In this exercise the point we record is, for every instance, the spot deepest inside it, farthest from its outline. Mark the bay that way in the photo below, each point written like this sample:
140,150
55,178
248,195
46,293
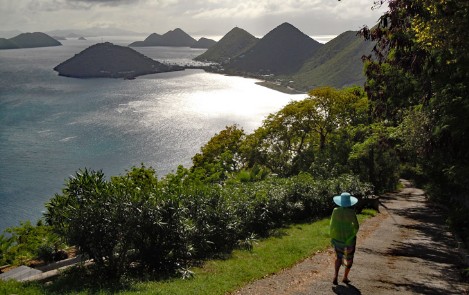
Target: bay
52,126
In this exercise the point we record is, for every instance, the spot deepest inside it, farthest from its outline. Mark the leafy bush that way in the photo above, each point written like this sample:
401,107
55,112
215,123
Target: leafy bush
24,242
136,220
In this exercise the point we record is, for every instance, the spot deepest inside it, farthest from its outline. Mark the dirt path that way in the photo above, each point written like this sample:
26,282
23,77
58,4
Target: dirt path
404,250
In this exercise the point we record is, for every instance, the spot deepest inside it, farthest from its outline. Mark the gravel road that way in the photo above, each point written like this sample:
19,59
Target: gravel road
406,249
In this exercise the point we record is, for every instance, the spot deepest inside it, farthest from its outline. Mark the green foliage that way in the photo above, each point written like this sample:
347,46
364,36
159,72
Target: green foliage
26,241
15,287
219,156
325,134
302,135
136,221
217,276
338,63
256,173
120,221
375,158
458,220
421,60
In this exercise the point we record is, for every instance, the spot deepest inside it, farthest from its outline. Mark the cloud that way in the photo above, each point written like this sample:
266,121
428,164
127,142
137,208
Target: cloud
214,16
104,2
57,5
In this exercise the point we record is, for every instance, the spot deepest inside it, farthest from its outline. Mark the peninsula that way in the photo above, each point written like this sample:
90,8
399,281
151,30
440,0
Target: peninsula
106,60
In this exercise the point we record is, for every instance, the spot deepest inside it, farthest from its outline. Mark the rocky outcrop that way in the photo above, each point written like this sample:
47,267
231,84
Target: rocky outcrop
106,60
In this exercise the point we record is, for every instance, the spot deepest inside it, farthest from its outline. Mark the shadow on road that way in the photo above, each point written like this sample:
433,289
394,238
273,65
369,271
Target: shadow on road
431,242
346,290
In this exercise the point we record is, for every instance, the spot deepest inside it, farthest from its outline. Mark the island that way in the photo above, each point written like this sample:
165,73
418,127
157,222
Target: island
174,38
106,60
29,40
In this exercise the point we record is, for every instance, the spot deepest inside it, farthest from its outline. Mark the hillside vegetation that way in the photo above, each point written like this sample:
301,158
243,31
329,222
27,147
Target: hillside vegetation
337,63
290,59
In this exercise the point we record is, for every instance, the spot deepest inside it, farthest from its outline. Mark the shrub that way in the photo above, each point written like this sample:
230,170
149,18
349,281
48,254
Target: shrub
134,220
21,243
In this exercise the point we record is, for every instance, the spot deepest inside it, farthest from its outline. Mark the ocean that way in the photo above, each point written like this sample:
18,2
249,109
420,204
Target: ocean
52,126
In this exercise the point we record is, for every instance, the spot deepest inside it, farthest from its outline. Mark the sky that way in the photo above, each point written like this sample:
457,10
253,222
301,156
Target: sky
196,17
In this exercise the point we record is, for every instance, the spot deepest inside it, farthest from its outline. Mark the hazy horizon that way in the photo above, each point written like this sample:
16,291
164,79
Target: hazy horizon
197,18
138,36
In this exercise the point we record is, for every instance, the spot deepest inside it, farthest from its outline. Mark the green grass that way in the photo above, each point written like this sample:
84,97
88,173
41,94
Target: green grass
290,246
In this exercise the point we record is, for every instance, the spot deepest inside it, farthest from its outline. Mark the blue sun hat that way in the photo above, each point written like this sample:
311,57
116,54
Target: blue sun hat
345,200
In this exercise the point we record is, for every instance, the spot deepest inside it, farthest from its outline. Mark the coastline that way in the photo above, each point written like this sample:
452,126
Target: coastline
279,87
274,85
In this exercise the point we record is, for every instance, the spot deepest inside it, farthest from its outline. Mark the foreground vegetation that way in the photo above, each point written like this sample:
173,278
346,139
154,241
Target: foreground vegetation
418,79
218,276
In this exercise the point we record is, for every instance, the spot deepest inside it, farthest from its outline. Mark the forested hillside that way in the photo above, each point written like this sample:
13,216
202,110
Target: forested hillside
337,63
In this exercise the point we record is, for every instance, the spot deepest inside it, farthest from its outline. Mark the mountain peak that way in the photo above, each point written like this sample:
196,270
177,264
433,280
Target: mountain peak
235,42
281,51
286,25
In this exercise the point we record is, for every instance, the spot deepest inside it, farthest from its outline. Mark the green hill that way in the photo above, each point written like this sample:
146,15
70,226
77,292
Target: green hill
338,63
282,51
29,40
231,45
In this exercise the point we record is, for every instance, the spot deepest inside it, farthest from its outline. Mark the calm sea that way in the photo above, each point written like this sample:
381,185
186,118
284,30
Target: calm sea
51,126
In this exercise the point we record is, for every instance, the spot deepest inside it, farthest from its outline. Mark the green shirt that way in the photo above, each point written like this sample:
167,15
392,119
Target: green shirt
344,225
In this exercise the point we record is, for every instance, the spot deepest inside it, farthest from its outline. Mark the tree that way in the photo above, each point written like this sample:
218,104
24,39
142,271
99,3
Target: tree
220,155
421,58
292,139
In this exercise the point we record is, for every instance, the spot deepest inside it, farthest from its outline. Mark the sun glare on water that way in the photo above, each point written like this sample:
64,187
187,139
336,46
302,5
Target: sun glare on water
243,98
